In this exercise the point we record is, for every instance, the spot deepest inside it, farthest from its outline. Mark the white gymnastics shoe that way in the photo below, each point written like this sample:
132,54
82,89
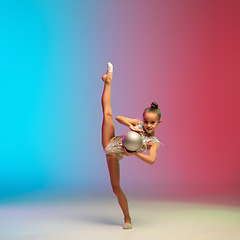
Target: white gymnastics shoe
107,77
109,67
127,225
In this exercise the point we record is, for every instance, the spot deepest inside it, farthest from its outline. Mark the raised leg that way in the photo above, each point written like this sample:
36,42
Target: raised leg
108,130
114,172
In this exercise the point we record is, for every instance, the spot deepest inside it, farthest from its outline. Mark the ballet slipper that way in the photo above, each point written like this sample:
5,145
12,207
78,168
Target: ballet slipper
127,225
109,67
108,75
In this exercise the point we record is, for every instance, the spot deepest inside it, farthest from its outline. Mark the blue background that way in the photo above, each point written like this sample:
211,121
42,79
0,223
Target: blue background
50,97
182,54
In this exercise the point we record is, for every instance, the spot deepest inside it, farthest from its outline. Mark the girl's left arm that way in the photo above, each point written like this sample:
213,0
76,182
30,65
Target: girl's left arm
150,159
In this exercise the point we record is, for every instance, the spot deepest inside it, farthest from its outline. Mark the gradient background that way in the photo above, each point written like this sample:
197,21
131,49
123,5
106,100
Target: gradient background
182,54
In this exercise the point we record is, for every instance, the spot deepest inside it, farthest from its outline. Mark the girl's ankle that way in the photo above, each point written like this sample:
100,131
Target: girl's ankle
106,78
129,220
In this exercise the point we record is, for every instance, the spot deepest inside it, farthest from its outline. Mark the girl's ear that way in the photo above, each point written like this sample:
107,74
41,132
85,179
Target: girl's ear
159,121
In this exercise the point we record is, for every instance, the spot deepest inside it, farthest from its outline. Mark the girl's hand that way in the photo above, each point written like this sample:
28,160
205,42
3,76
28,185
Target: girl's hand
127,153
135,129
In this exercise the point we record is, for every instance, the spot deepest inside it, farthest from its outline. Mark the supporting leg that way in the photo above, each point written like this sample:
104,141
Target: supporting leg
114,172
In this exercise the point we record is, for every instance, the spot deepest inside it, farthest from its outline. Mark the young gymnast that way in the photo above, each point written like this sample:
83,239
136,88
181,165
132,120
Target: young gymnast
113,144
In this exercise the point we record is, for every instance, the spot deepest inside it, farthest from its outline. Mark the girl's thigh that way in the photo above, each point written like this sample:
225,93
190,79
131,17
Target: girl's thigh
108,130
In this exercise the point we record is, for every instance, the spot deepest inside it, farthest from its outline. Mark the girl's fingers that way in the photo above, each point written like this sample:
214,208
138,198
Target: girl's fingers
140,131
126,152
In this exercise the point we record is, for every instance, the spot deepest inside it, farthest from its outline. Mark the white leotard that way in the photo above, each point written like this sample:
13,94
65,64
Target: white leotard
115,146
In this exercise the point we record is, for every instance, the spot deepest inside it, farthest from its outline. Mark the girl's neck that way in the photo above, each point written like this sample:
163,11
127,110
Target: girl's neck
151,134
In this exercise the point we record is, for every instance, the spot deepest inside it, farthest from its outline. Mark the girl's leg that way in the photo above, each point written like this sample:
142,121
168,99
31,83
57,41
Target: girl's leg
114,172
108,130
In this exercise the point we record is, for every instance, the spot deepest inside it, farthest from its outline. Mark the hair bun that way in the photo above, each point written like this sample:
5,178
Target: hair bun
154,105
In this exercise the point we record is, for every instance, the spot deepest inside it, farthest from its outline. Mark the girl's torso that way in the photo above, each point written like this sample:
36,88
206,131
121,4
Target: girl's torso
115,145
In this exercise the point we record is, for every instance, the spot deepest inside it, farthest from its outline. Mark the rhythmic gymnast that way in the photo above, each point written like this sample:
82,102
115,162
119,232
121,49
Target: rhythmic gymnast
112,144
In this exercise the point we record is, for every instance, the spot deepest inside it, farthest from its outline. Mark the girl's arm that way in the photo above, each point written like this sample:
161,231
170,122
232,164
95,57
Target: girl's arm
127,121
150,159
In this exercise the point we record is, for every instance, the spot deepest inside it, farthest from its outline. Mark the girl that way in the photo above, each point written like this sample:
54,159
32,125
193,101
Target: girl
113,145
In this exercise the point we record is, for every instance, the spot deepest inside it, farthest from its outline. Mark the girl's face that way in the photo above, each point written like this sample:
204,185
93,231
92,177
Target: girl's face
150,122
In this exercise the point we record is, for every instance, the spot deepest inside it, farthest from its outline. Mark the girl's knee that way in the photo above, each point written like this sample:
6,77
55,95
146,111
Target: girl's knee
117,190
108,113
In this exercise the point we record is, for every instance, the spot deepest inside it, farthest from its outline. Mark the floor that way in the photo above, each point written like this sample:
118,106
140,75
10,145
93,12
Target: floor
98,217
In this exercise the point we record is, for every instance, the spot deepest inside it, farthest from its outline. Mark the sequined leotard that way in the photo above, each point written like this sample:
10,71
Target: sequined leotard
115,146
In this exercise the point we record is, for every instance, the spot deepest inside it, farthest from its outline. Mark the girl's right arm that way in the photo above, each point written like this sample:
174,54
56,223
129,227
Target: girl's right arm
128,122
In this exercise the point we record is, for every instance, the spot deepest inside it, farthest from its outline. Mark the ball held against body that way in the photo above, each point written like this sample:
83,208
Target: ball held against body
132,141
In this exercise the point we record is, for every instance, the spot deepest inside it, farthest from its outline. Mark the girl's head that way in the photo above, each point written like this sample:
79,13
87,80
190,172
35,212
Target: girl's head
151,118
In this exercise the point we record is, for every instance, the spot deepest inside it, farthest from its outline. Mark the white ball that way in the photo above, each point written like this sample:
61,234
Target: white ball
132,141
